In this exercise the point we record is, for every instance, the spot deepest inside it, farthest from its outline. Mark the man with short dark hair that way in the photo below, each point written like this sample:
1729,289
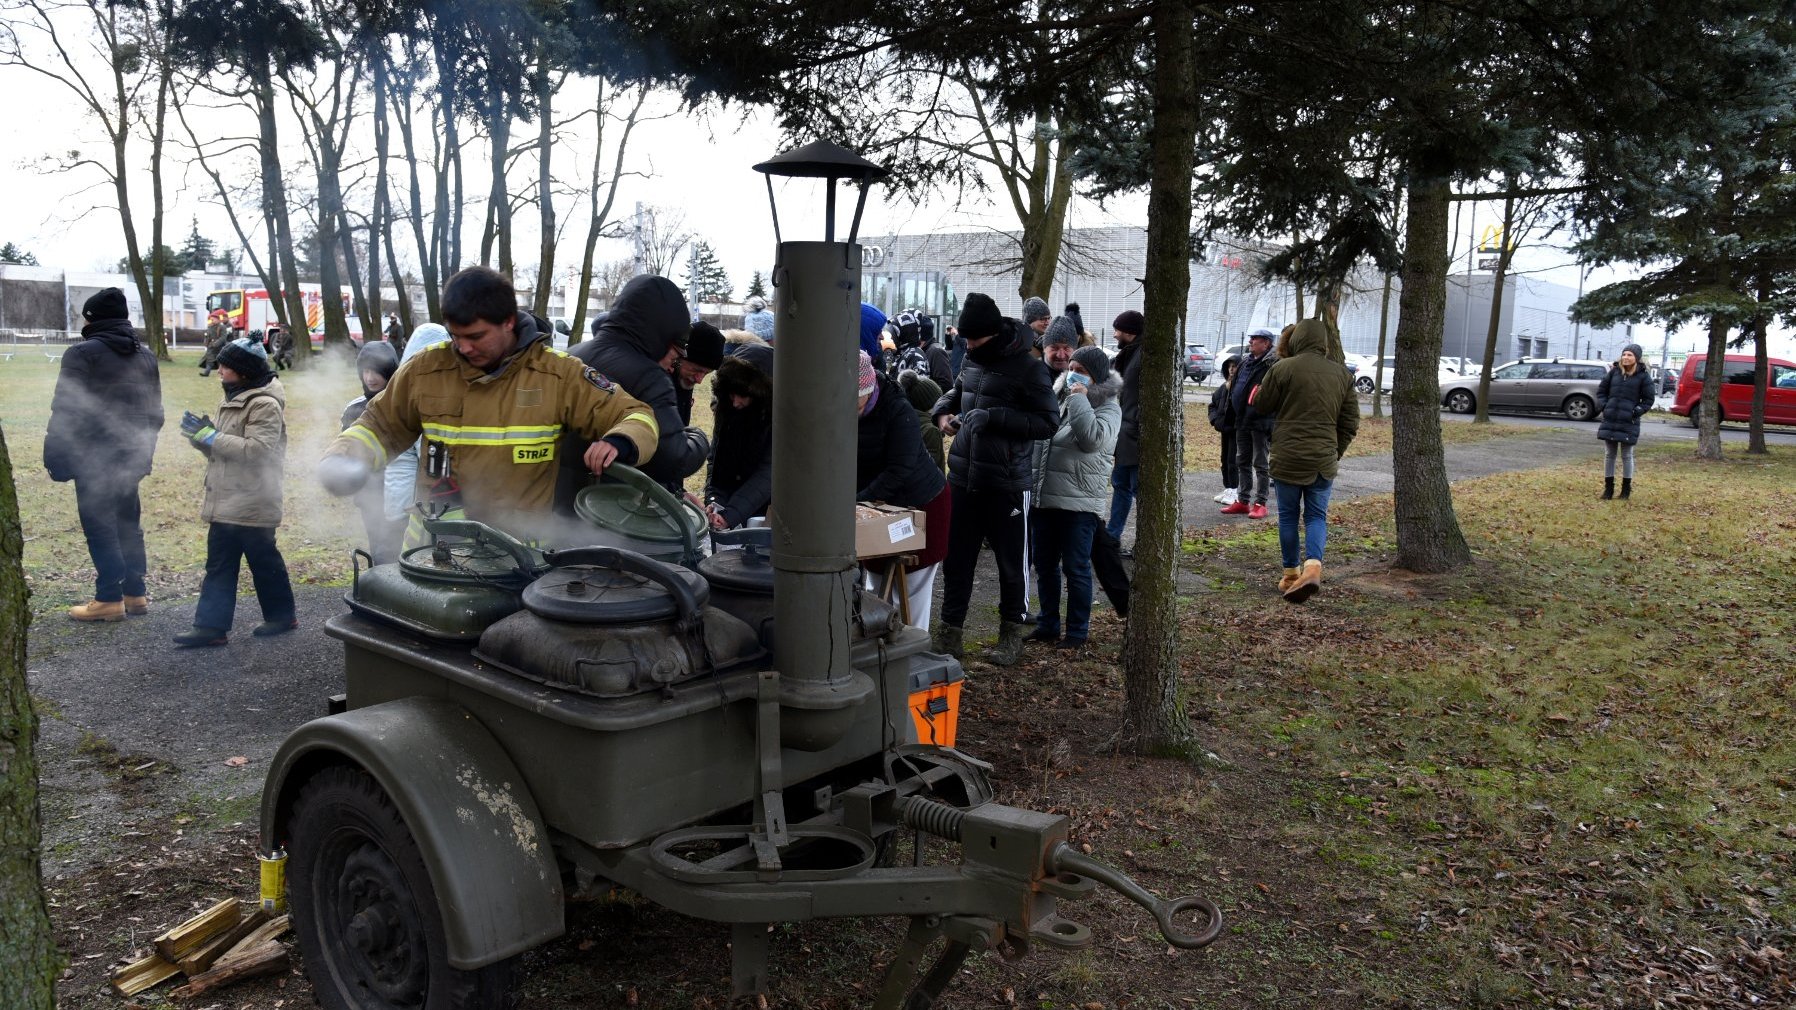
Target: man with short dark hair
704,353
492,403
104,418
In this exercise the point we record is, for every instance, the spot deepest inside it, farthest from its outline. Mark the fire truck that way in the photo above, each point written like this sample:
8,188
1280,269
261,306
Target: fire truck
252,309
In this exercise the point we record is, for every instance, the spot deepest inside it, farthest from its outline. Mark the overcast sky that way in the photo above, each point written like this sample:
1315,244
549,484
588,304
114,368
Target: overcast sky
701,165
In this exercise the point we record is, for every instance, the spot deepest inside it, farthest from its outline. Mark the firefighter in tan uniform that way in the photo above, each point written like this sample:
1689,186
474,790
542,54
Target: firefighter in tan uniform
491,403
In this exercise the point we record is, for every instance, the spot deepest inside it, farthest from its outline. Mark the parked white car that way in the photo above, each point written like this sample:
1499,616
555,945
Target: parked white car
1363,381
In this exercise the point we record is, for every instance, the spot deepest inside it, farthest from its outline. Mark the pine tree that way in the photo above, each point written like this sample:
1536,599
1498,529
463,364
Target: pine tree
10,253
197,251
757,286
706,279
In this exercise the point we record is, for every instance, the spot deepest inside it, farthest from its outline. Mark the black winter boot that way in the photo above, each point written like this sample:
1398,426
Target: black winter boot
1627,487
1608,488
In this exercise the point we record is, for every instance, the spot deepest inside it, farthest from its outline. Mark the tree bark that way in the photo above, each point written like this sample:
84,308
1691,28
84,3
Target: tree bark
1050,190
1761,369
154,326
1384,328
544,84
1428,535
1504,252
274,199
26,945
1153,718
1708,414
380,215
601,212
427,245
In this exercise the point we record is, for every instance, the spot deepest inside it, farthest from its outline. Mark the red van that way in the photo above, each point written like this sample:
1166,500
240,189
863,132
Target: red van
1736,390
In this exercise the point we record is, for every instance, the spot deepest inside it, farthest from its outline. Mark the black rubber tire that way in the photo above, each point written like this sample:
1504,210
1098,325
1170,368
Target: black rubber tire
1363,385
1460,401
353,869
1580,408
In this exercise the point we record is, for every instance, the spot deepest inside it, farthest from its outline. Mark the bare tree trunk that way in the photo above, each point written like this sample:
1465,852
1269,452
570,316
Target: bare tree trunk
357,294
154,325
1153,718
380,215
544,83
401,295
427,246
263,269
27,947
1504,252
1428,535
601,212
1761,370
1384,327
499,201
1708,414
274,199
1044,228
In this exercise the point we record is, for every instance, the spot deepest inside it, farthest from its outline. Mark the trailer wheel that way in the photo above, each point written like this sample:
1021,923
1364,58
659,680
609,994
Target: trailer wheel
364,911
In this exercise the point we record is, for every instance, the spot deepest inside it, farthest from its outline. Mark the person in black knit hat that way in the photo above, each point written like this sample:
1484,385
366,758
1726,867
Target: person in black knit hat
104,418
1001,403
244,449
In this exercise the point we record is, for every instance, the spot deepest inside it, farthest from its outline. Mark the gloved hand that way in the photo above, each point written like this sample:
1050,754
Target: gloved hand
973,420
198,429
342,475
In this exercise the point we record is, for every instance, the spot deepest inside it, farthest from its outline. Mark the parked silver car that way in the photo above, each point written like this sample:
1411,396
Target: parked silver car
1535,385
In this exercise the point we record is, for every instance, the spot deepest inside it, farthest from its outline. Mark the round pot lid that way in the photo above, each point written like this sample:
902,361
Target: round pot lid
465,561
636,515
587,594
748,571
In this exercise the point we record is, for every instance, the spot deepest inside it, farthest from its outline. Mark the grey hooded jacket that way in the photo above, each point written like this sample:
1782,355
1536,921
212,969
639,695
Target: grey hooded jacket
1072,469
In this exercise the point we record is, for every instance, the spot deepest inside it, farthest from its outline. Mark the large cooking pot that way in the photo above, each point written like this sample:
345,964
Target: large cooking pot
467,577
741,584
613,623
636,514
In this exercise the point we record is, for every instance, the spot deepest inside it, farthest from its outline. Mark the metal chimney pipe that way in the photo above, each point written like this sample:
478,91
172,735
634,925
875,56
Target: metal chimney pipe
816,339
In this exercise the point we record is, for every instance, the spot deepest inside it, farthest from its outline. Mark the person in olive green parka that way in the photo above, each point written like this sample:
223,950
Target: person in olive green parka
1318,414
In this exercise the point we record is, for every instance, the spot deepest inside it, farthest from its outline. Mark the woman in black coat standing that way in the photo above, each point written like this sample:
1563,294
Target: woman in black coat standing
1624,395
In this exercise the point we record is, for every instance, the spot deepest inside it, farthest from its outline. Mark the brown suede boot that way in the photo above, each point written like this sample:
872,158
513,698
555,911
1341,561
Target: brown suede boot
98,611
137,606
1307,583
1288,579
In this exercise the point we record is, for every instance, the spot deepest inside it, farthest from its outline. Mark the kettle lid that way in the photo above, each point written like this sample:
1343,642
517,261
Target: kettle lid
590,594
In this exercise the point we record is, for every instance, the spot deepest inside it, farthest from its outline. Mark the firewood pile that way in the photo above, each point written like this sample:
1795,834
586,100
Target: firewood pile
227,943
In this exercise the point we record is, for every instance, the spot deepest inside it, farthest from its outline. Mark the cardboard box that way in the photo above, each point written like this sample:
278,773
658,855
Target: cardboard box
884,530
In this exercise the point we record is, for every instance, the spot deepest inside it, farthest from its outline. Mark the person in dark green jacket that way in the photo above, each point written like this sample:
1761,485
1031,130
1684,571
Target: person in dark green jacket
1318,415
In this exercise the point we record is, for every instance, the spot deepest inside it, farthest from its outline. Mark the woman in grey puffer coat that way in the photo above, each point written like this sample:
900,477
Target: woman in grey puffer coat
1624,395
1072,492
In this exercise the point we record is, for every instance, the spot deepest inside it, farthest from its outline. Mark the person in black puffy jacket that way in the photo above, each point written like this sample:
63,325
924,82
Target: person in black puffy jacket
739,479
1222,418
1001,403
104,418
639,346
1623,396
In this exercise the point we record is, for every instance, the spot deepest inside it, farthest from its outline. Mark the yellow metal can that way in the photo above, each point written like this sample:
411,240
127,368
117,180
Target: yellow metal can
274,880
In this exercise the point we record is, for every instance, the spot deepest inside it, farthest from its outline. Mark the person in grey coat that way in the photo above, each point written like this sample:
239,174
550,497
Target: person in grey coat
1622,397
1072,493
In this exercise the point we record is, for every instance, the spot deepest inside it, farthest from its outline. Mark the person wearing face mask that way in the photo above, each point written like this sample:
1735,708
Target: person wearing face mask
244,449
1072,493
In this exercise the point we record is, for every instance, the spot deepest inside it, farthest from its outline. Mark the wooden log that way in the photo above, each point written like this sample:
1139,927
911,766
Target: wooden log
141,974
268,959
191,935
215,948
270,930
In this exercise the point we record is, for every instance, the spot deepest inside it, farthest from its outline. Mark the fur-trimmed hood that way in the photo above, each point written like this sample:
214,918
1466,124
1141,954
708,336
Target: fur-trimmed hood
738,376
1099,392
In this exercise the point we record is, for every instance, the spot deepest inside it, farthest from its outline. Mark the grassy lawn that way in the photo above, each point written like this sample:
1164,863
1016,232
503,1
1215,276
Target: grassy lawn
1203,444
315,537
1567,770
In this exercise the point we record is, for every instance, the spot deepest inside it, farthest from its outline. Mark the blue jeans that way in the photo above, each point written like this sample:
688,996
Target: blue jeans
1125,480
111,520
1063,539
1313,500
228,546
